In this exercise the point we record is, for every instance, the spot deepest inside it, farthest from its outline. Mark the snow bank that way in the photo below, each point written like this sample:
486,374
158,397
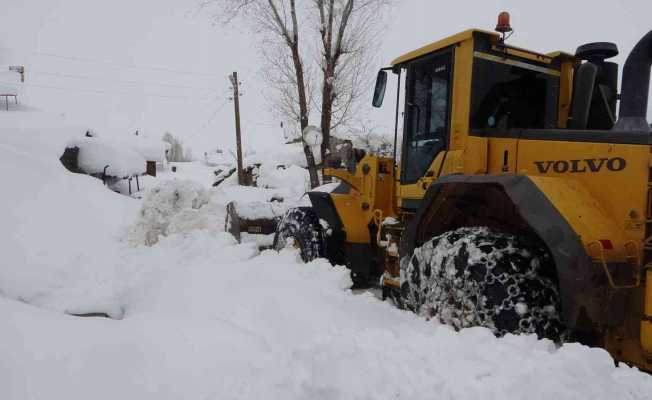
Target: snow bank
55,225
210,321
176,206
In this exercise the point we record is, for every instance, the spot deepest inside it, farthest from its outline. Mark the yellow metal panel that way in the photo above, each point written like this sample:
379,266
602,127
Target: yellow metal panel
354,220
475,155
584,213
454,163
460,105
372,188
418,189
565,93
502,156
621,193
346,176
422,51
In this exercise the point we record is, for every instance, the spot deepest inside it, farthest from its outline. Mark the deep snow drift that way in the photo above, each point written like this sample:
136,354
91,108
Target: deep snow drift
202,317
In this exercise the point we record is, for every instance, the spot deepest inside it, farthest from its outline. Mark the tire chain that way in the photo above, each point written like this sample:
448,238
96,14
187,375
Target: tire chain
302,225
477,277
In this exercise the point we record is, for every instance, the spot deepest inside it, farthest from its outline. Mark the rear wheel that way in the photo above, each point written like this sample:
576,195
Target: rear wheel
479,277
300,228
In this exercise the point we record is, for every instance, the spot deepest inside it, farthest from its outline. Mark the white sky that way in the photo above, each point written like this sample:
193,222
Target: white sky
178,52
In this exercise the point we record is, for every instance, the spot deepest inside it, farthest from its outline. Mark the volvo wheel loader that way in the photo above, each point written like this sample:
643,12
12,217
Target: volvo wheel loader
520,198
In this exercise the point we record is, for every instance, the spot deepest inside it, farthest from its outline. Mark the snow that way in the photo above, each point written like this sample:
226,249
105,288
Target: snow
390,221
195,171
55,225
312,136
150,149
213,322
202,317
172,207
125,156
327,188
292,176
287,154
96,154
261,240
259,210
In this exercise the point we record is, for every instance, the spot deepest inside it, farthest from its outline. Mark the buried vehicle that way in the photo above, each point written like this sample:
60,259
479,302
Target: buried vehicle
522,201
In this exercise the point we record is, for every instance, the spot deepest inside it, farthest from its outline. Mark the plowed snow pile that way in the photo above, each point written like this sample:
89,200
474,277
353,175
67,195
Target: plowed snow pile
206,318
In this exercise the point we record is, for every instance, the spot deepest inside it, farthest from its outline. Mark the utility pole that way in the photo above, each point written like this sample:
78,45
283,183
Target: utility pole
236,102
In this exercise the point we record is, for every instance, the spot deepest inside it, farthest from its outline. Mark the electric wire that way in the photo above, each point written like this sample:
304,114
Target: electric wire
18,85
85,77
124,65
210,119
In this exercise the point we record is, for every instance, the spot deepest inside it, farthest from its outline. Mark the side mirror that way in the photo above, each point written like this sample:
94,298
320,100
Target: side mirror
379,91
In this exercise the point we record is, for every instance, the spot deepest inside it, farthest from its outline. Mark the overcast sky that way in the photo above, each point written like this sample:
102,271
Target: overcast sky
158,65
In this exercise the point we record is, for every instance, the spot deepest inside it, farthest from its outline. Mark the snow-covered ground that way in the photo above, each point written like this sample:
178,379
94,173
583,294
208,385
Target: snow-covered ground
198,316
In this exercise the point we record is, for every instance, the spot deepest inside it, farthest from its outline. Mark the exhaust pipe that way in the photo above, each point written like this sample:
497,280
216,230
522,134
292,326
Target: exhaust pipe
635,88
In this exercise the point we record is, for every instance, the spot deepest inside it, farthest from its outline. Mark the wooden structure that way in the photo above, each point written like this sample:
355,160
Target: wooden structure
151,168
7,96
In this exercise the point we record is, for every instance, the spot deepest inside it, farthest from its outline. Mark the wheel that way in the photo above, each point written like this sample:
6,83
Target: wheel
300,227
479,277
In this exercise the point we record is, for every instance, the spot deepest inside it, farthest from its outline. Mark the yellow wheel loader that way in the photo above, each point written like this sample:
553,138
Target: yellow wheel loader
520,201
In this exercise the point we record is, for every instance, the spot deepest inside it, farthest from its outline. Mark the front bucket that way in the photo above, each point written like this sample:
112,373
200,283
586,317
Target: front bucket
253,222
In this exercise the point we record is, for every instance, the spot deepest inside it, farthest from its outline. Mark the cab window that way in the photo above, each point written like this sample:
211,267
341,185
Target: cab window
508,96
427,109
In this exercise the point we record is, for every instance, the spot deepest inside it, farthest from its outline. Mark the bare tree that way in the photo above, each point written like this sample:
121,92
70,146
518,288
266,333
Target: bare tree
347,29
344,31
278,22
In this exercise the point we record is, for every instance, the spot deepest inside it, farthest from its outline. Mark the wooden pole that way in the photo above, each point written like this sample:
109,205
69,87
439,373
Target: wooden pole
238,140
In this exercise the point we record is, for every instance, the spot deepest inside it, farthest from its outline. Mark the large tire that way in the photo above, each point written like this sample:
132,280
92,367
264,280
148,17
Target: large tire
300,227
479,277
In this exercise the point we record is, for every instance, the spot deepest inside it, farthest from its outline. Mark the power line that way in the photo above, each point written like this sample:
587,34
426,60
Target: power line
124,65
97,91
85,77
210,119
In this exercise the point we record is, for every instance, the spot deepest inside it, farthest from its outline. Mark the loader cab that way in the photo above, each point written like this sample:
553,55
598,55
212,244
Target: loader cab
467,86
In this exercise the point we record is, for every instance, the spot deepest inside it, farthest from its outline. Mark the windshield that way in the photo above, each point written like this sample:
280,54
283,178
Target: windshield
426,114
